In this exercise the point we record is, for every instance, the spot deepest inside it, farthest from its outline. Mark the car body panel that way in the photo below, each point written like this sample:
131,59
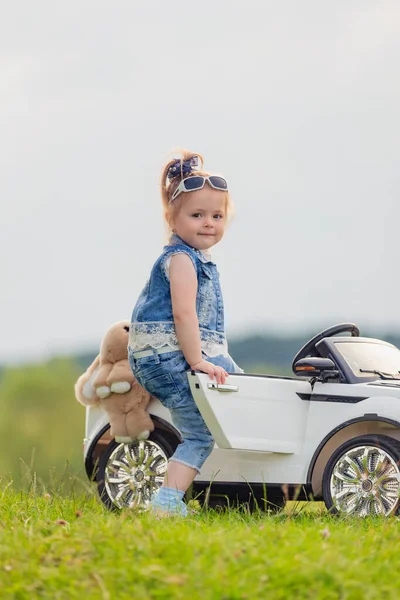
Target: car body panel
316,420
274,430
253,416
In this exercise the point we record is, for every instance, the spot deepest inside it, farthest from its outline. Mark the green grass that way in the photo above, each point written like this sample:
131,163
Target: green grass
65,548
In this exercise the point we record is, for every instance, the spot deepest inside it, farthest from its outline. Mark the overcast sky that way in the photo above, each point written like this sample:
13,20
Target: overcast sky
295,102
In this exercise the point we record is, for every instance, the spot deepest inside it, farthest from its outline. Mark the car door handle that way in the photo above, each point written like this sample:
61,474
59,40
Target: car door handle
222,387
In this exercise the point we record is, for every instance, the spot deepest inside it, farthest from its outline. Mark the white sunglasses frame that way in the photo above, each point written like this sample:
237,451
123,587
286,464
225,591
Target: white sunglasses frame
181,187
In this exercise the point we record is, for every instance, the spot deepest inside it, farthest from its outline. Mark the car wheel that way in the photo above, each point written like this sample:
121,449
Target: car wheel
129,474
362,477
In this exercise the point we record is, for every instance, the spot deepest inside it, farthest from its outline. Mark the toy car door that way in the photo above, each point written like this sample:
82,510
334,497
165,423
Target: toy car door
253,412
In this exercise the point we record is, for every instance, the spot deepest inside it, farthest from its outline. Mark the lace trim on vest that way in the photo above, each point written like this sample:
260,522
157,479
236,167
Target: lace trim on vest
157,334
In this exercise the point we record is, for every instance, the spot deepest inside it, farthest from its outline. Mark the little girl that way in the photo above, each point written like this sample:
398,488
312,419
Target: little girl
178,320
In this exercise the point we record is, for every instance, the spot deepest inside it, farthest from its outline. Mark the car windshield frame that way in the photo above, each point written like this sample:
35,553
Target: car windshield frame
346,352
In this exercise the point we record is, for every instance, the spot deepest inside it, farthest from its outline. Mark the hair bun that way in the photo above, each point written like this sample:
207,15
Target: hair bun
182,167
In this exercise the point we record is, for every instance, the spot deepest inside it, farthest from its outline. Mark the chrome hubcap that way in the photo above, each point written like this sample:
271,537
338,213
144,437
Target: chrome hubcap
134,472
365,481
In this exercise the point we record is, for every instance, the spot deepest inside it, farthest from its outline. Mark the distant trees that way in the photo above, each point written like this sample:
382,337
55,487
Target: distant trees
41,424
258,353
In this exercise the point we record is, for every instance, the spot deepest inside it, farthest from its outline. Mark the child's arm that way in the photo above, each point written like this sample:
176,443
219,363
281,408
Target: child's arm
183,281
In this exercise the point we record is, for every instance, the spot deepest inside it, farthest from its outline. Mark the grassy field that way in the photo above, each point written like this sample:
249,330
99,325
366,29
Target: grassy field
70,547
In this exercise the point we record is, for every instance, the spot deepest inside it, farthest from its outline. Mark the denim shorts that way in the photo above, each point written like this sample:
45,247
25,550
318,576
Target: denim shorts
165,377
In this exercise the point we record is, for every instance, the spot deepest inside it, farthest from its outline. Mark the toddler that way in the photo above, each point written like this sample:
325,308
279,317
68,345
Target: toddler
178,320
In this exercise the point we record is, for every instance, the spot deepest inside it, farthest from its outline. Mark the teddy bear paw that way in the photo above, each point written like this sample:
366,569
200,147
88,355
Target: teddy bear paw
88,391
103,391
143,435
124,439
120,387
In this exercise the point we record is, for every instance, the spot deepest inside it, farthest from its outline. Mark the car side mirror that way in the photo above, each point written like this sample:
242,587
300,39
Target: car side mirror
314,366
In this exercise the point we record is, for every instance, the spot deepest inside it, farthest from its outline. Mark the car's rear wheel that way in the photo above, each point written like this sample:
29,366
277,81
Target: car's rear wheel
362,477
129,474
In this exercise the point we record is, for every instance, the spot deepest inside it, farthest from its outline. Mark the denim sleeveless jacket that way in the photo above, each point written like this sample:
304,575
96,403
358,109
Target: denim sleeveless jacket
152,323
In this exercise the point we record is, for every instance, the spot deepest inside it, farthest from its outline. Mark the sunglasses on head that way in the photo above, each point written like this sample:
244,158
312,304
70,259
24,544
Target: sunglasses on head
197,182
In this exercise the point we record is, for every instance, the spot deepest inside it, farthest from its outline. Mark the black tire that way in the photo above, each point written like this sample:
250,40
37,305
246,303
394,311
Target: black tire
161,443
368,490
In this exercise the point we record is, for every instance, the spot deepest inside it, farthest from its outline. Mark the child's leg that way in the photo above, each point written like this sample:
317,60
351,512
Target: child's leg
187,460
179,476
197,441
169,499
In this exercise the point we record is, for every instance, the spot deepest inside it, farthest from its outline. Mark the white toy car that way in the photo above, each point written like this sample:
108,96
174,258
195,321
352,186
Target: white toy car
335,434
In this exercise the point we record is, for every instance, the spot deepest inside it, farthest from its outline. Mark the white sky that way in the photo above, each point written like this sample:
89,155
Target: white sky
296,103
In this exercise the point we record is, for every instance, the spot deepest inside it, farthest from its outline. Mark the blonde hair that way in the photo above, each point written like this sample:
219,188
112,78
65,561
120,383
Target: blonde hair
168,187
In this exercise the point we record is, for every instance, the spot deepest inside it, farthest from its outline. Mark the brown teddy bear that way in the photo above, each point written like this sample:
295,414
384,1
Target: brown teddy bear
110,382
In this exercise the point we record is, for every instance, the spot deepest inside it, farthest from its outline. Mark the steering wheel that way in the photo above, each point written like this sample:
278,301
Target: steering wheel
309,349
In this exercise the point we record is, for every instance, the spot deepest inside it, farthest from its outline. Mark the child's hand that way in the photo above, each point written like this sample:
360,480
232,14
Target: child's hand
207,367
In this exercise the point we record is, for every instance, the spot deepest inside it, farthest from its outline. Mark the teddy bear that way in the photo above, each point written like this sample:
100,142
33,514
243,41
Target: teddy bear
109,381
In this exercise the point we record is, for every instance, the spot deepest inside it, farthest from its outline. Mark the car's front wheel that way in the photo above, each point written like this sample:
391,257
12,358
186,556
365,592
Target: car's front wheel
129,474
362,477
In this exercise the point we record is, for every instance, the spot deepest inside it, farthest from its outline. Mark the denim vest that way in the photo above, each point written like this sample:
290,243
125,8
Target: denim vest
152,323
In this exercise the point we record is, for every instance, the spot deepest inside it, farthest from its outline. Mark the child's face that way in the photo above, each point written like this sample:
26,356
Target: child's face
201,219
